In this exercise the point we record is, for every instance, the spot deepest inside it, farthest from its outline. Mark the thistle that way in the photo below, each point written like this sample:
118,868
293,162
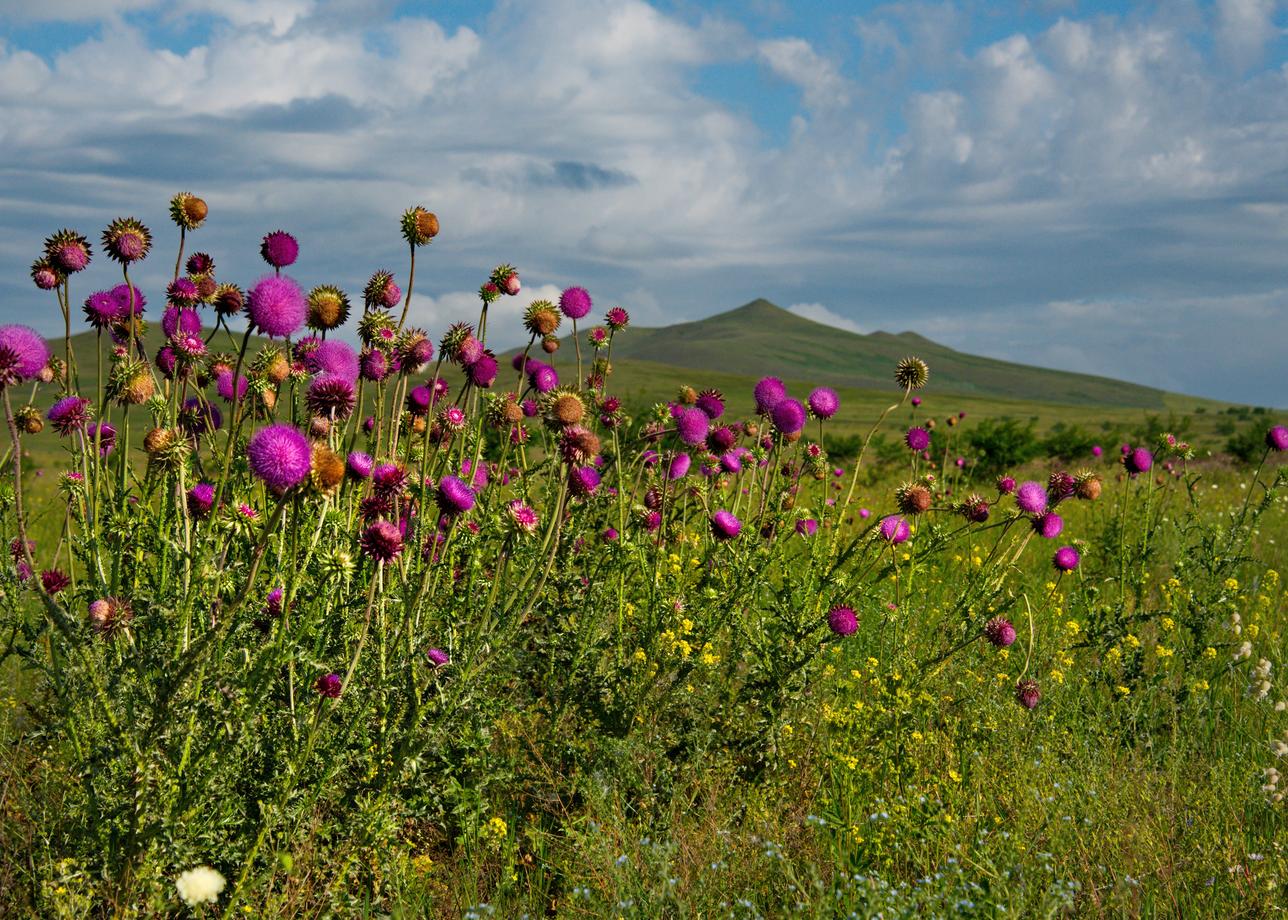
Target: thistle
188,211
328,307
419,226
911,373
126,240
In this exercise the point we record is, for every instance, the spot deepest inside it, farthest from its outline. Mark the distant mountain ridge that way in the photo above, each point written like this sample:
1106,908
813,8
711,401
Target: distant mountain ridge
762,338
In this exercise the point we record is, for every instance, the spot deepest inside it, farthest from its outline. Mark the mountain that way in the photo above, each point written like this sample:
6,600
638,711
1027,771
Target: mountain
762,338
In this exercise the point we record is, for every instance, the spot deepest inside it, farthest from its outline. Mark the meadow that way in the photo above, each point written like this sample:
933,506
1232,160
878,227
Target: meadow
293,629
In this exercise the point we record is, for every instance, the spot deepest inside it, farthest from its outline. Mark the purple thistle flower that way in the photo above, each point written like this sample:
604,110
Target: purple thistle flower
1138,461
106,435
54,581
730,462
359,465
691,425
1097,450
788,416
724,526
722,439
543,378
277,306
23,354
374,365
609,535
224,385
617,319
1000,632
482,373
382,541
1031,497
336,358
842,621
199,417
1048,525
678,468
201,498
1066,559
182,293
388,480
1277,438
575,302
437,657
454,496
711,403
328,685
894,529
768,393
419,400
279,249
121,293
280,456
583,481
69,414
824,402
177,319
917,438
807,528
1027,693
102,309
330,396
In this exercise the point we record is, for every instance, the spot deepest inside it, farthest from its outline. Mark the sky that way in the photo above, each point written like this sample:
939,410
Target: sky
1093,186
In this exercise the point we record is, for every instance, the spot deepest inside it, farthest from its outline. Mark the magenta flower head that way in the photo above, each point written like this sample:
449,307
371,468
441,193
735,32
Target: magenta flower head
894,529
438,658
374,365
454,496
823,402
722,439
23,354
724,526
617,318
1000,632
1027,693
1277,438
280,456
1048,525
807,527
1031,497
575,302
731,462
106,436
328,685
691,425
418,401
482,373
329,396
201,498
69,414
583,481
679,466
1138,461
359,465
543,378
917,438
712,403
788,416
1097,450
842,621
224,385
279,249
1066,559
336,358
382,541
180,319
277,306
769,392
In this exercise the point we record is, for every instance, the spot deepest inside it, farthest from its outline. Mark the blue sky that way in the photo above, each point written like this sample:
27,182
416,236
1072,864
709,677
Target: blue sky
1095,186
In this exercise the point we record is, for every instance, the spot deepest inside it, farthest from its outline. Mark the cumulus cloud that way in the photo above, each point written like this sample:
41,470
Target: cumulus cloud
928,181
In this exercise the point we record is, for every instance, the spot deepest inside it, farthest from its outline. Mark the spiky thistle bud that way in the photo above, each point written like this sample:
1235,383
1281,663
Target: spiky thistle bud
328,307
127,240
228,300
541,318
188,211
419,226
68,251
911,373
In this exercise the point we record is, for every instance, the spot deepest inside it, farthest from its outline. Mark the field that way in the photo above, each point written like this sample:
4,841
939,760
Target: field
523,661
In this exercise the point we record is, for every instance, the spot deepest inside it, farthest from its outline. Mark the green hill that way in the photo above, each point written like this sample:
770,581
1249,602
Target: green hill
761,338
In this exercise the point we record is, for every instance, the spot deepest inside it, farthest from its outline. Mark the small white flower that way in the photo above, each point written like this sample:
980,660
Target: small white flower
200,886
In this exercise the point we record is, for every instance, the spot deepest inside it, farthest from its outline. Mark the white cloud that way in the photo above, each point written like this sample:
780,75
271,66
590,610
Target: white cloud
796,61
821,314
1243,29
1094,160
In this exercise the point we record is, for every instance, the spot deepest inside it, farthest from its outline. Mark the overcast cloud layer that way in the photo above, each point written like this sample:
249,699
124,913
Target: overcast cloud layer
1056,184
